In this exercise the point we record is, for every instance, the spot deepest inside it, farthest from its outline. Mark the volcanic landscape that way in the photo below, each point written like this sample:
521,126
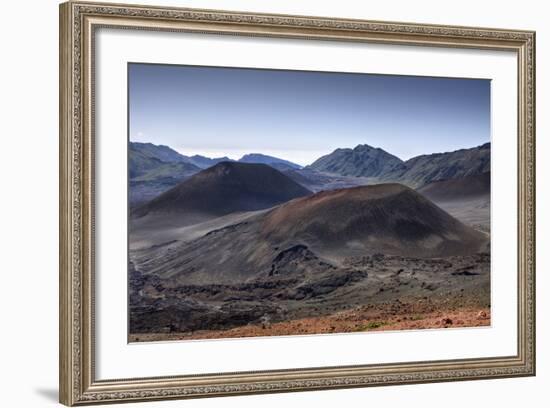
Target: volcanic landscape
357,241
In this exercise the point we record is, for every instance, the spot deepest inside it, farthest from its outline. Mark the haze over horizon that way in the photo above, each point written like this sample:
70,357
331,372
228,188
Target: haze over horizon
300,116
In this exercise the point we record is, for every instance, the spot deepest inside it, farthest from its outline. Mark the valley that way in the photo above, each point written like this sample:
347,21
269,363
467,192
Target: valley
242,249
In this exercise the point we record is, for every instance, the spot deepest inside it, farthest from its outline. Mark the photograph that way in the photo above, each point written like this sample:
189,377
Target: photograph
266,202
270,200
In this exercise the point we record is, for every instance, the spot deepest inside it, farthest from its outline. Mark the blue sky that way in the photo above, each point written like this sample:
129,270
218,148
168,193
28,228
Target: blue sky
300,116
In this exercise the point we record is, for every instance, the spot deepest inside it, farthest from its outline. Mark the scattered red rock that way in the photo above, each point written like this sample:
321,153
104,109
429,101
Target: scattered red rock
482,315
373,318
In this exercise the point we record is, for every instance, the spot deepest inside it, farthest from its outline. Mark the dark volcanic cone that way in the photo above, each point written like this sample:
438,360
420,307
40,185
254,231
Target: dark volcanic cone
388,218
225,188
315,233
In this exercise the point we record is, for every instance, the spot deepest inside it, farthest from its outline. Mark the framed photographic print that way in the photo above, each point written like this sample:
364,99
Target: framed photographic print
256,203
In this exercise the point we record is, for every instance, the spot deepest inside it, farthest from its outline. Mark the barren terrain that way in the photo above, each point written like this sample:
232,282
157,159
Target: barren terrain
369,318
383,288
203,264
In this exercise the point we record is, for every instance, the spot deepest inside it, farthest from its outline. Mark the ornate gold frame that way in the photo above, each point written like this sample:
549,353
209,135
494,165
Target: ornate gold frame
78,21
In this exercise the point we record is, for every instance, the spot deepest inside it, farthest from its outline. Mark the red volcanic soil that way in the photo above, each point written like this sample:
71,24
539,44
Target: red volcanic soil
363,319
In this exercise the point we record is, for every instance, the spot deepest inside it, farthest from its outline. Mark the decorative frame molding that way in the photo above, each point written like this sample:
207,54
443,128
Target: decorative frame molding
78,20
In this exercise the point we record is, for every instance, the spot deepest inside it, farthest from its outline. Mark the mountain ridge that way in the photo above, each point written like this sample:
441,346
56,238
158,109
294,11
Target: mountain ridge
161,152
468,187
154,169
381,166
204,162
424,169
269,160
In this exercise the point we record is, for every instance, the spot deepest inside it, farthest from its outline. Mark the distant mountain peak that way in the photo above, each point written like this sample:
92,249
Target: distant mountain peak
198,156
204,162
253,156
365,147
269,160
222,166
361,161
